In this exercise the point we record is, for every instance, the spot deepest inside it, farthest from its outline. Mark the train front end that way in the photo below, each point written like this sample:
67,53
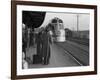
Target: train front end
59,31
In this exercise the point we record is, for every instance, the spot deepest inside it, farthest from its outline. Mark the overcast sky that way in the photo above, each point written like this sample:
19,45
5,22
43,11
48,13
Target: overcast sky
70,20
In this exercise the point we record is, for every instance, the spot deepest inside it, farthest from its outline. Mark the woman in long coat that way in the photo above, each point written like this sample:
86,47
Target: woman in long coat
39,44
46,39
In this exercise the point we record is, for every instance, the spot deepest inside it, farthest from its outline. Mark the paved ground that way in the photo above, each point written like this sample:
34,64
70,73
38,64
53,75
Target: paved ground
58,58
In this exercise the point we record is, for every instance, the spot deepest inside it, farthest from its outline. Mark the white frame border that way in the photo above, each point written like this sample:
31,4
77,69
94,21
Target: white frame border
35,71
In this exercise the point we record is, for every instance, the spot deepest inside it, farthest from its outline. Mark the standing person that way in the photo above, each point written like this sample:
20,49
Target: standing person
46,46
31,38
39,44
24,39
38,57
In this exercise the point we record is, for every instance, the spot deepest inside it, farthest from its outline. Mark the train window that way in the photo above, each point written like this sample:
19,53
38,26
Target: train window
54,21
60,21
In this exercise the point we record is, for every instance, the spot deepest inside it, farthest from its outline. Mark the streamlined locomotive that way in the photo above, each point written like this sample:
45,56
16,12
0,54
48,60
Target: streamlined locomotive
58,30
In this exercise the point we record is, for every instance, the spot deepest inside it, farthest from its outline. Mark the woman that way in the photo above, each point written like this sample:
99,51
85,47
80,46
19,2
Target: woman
46,39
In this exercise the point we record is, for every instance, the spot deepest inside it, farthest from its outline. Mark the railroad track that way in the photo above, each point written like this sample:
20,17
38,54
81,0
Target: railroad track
81,58
73,57
83,42
86,51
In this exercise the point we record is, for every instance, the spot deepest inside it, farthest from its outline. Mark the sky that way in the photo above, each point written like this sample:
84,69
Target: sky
69,20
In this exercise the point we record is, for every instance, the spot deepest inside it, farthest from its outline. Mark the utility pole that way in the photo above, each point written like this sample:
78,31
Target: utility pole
78,35
77,22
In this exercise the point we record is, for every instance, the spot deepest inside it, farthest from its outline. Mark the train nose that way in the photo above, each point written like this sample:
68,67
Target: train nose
61,36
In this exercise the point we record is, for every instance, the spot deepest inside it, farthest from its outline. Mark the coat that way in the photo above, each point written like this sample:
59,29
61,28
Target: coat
46,46
39,44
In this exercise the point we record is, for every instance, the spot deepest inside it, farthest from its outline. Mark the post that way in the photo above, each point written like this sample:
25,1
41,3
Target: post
78,35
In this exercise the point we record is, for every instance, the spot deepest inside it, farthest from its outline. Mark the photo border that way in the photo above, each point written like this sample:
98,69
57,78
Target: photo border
14,39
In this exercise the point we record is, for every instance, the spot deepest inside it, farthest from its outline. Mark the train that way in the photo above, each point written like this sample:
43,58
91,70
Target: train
57,29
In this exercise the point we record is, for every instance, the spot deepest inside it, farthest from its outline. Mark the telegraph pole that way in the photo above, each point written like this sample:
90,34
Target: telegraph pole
77,22
78,35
